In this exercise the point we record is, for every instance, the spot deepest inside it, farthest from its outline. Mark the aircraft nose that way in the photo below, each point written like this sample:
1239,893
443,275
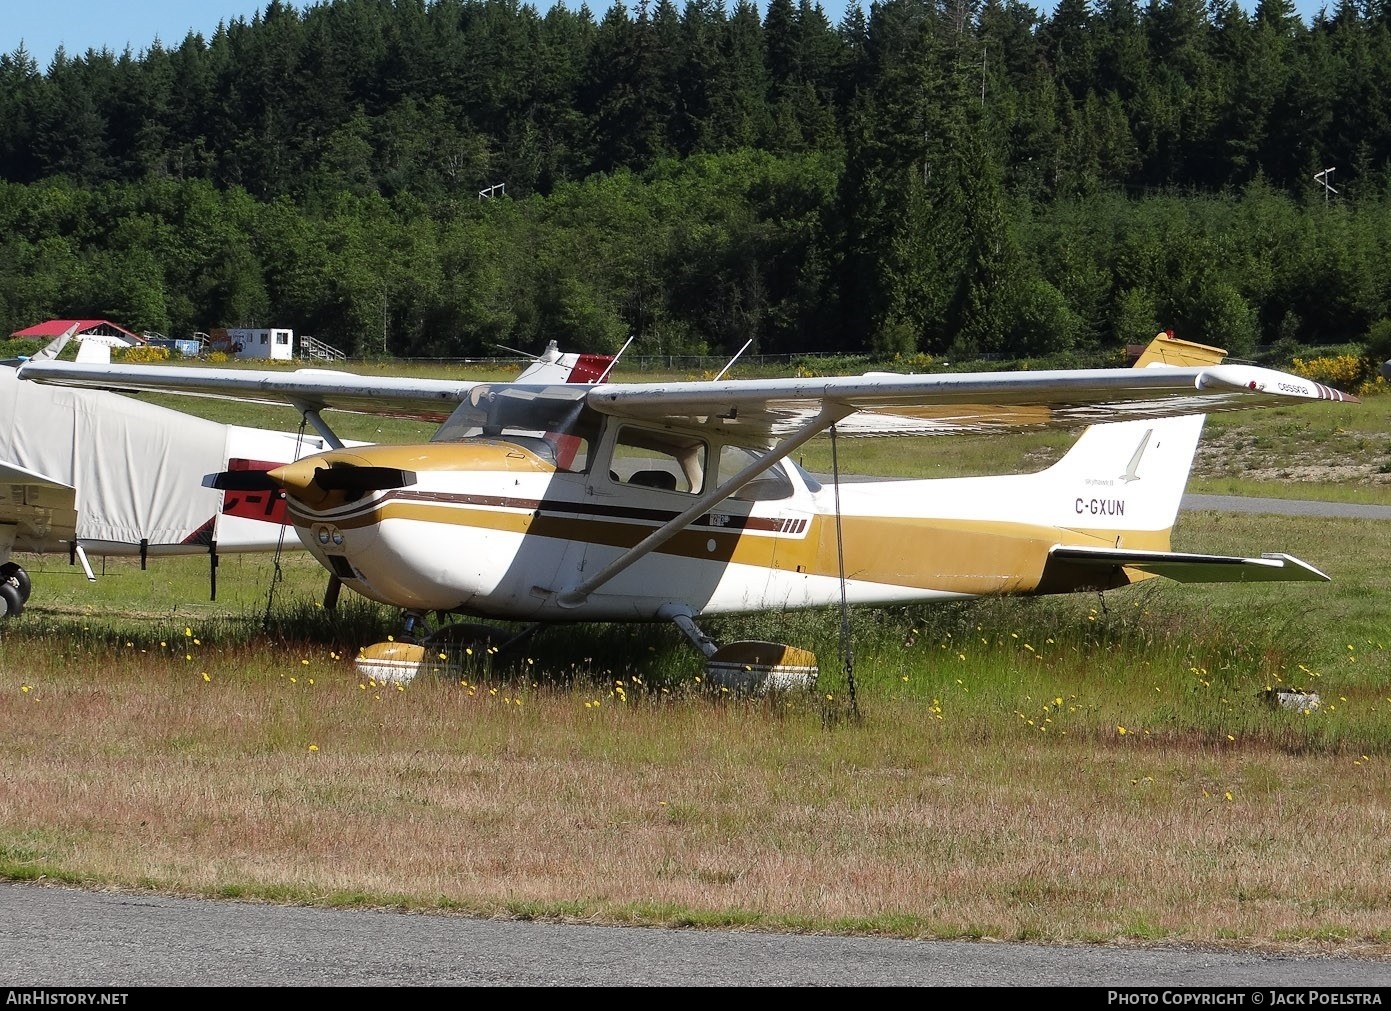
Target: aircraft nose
295,477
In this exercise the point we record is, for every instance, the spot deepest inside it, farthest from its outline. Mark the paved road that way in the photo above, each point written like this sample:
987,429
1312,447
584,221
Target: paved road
1286,507
60,937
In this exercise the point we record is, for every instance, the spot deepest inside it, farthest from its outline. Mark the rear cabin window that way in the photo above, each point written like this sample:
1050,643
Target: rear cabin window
646,458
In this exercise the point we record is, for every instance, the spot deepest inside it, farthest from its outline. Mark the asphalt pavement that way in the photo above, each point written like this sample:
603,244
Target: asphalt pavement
1285,506
61,938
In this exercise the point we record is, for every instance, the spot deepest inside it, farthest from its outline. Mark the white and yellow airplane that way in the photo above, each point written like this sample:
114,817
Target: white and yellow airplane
552,502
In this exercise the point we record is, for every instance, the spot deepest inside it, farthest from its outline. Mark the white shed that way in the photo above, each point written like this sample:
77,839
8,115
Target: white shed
274,343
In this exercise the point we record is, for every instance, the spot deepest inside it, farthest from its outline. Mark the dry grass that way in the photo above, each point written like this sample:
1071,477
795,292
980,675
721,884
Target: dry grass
539,803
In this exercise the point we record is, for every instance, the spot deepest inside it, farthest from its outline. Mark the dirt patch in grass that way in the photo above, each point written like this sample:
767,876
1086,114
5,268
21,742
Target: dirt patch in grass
1230,453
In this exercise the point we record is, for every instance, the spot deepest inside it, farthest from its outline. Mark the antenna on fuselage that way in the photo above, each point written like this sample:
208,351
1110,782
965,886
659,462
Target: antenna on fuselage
733,360
524,354
605,374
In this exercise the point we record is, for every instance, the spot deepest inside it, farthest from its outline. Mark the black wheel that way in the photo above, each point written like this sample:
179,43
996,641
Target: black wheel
15,571
9,596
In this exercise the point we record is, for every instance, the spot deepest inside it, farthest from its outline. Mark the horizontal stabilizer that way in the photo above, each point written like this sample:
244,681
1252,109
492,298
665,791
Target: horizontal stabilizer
1185,567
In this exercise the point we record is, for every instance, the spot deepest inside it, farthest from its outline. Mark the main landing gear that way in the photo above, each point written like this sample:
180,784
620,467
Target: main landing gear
750,666
422,650
747,666
14,589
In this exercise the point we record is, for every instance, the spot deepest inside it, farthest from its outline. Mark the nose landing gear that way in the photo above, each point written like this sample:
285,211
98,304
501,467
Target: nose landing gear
422,650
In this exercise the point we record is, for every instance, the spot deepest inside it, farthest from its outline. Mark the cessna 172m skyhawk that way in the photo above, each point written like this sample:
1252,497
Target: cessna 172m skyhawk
611,501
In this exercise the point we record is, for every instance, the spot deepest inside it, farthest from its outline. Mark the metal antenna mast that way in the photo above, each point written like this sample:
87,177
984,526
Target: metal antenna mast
1322,178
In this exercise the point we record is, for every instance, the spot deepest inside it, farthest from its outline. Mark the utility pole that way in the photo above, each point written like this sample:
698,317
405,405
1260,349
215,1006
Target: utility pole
384,352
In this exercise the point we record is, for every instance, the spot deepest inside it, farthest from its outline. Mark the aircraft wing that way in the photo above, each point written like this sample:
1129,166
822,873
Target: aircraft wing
305,389
761,410
962,403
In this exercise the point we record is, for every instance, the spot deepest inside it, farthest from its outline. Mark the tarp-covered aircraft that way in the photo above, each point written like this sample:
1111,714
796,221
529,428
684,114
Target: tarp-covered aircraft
88,473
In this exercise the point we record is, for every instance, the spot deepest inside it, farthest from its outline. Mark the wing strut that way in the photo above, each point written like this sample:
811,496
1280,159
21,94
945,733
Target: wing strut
829,415
311,415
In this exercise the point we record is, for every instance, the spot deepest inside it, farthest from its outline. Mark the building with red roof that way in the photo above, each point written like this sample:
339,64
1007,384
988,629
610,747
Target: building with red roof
87,329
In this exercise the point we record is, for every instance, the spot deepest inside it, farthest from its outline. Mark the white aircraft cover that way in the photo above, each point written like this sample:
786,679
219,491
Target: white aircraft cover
135,469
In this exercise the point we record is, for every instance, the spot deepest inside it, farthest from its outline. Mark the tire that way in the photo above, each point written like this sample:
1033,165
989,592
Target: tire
15,571
9,596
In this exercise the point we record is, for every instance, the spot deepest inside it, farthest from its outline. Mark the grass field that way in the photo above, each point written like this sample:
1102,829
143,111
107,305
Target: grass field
1085,768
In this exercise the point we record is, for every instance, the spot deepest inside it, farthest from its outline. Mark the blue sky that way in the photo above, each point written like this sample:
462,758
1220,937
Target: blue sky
79,25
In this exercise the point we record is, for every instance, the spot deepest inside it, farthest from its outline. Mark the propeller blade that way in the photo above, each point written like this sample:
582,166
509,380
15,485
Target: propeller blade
241,480
361,479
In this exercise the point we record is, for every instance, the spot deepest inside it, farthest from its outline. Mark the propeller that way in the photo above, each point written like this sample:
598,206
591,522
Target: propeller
241,480
360,479
344,477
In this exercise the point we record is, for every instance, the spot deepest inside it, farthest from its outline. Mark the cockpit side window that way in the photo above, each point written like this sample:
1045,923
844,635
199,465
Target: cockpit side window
653,459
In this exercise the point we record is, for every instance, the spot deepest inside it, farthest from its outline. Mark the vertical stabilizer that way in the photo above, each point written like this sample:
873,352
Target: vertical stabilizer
553,366
1132,474
54,347
94,352
1166,349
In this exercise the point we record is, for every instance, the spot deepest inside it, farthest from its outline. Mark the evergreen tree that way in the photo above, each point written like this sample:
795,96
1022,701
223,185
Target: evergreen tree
623,94
21,98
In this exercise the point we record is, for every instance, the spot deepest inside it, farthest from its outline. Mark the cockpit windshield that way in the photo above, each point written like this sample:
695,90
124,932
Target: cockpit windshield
551,421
